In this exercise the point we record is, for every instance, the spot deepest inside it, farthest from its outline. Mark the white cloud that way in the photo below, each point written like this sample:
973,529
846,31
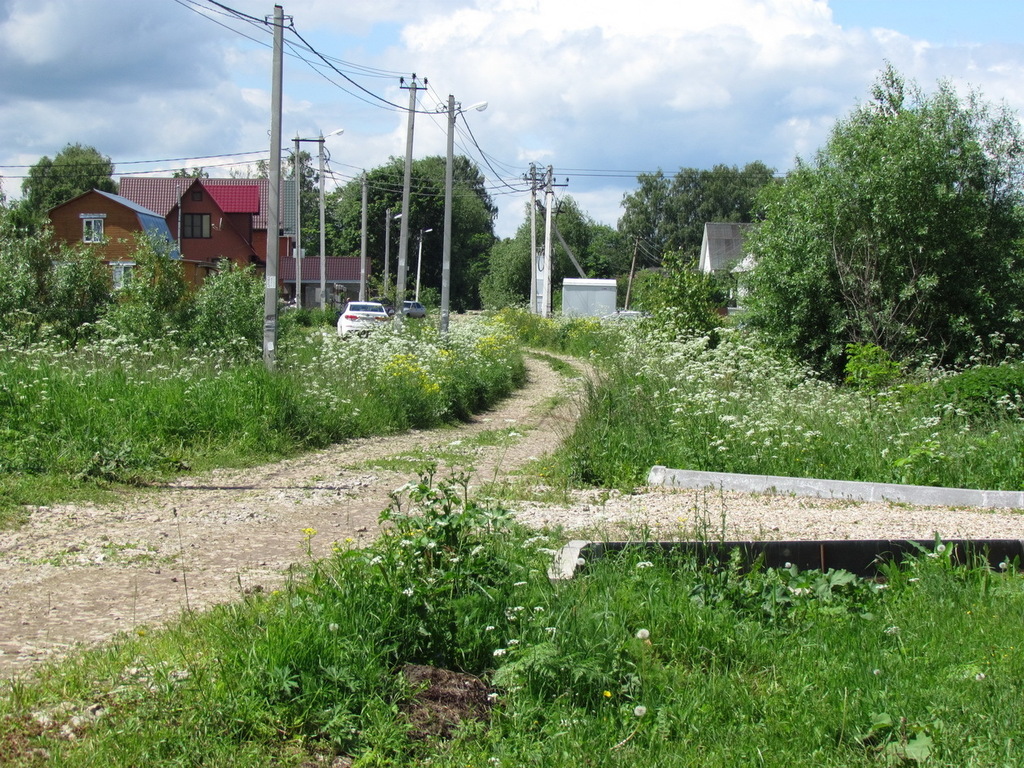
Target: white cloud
582,84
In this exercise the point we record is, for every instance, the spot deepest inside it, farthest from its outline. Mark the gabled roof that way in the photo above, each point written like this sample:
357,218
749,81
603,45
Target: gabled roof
235,198
722,246
161,193
149,221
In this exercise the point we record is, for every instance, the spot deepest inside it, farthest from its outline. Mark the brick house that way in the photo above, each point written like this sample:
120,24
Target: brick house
109,223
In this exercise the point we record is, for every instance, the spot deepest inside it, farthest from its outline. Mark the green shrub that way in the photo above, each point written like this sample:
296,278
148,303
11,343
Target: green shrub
982,391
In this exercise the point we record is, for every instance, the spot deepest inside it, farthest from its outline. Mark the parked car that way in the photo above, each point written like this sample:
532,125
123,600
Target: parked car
362,317
413,309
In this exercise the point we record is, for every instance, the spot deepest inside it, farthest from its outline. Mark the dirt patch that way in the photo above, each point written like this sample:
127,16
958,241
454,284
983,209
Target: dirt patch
442,700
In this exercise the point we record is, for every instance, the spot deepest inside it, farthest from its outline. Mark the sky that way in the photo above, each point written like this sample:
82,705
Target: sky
598,90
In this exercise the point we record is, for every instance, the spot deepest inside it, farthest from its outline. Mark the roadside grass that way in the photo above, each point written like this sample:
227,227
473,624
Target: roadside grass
736,407
115,412
646,657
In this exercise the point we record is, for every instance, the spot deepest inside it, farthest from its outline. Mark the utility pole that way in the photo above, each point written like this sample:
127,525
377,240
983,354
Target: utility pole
419,261
446,244
298,225
403,241
274,214
323,231
534,308
387,248
549,198
632,271
449,183
362,241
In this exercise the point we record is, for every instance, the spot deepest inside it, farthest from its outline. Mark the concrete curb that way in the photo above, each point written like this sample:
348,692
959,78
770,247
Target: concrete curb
837,489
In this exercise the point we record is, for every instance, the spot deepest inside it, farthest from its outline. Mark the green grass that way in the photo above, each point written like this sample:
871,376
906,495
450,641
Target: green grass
113,413
736,407
644,658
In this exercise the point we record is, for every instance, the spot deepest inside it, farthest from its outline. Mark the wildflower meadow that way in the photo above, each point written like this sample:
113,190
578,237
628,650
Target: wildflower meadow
118,410
729,404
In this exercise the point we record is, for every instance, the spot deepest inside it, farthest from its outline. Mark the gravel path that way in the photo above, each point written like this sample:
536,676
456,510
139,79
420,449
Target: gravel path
78,575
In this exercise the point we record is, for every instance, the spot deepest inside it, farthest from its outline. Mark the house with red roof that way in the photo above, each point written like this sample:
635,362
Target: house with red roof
212,220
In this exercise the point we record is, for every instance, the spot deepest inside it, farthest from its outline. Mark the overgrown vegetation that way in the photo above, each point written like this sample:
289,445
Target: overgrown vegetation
736,406
123,410
904,232
647,657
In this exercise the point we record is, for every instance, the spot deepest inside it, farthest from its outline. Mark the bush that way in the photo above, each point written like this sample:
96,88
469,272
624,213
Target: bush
984,391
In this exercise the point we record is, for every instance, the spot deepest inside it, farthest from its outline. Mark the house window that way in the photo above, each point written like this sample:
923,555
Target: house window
122,273
195,225
197,196
92,228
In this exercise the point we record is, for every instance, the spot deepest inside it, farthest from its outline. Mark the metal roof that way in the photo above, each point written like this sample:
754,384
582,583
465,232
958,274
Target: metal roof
340,269
148,220
722,245
161,193
235,198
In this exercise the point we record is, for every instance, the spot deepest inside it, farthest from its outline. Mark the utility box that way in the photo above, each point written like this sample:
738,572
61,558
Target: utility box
588,298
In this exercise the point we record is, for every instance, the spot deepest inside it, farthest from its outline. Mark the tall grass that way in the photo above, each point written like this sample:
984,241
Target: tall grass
128,412
644,658
736,407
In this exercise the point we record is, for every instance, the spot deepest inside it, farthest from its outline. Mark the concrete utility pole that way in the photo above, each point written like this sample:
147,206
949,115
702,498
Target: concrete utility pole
534,302
362,241
449,183
549,199
323,231
298,225
419,262
274,214
387,247
403,240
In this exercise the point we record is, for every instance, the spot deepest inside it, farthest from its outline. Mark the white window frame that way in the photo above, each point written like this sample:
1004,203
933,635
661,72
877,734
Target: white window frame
92,227
121,272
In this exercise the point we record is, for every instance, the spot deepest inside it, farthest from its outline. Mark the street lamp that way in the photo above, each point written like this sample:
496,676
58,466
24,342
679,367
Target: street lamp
388,218
419,261
298,222
454,108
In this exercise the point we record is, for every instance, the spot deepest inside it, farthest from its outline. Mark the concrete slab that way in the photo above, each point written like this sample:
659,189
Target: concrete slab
837,489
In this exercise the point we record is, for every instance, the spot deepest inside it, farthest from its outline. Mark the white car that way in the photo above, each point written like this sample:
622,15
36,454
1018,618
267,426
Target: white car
362,317
413,309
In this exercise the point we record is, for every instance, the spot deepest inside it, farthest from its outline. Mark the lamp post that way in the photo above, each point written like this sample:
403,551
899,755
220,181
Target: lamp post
419,261
454,108
388,218
298,222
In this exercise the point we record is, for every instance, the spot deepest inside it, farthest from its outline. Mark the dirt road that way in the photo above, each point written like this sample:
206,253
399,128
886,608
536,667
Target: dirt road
80,574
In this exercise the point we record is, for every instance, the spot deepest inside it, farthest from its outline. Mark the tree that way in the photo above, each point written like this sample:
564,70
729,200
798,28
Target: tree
600,250
472,236
670,214
43,283
74,170
904,232
681,298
